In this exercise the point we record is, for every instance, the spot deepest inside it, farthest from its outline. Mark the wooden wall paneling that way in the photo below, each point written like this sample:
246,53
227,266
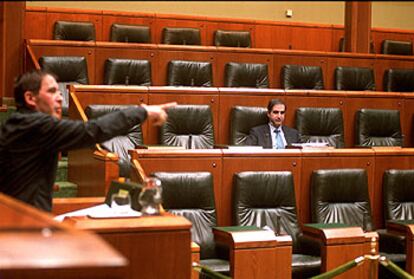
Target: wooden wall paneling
370,100
67,48
133,18
327,99
238,55
407,119
400,159
35,23
12,43
348,60
167,53
270,34
105,50
332,159
381,34
337,33
311,37
229,25
235,162
184,95
385,61
189,160
289,57
187,21
230,97
55,14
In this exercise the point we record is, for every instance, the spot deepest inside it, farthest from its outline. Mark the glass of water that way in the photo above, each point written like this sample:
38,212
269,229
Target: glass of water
150,197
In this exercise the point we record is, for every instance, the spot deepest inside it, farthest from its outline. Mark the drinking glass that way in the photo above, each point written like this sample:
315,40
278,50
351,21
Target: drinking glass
150,197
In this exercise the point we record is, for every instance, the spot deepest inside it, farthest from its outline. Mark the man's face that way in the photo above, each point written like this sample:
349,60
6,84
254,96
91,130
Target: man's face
49,99
277,115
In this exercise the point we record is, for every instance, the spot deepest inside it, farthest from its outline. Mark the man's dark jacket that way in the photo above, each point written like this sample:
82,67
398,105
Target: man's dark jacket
30,142
260,135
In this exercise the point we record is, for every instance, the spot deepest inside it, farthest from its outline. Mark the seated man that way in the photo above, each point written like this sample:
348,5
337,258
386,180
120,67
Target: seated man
273,134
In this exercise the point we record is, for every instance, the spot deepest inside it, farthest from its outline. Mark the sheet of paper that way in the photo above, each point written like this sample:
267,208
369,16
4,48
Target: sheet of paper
99,211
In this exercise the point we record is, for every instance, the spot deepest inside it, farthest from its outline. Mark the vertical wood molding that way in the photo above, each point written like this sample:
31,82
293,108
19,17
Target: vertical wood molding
357,26
11,48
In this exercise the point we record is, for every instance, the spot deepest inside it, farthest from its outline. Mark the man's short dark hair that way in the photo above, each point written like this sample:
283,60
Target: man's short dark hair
274,102
29,81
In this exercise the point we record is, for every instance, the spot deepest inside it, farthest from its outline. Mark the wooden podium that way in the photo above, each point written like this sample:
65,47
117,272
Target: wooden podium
33,245
157,247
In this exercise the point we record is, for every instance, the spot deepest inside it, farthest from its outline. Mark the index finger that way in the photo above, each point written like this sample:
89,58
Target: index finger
168,105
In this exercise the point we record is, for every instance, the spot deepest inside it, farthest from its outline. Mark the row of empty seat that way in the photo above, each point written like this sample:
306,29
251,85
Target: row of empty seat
267,199
69,69
85,31
191,126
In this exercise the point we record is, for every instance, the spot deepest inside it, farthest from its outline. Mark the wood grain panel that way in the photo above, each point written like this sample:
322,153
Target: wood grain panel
110,17
407,119
106,50
337,33
11,56
159,255
230,97
335,159
238,55
156,246
298,58
185,98
273,35
167,53
38,19
315,38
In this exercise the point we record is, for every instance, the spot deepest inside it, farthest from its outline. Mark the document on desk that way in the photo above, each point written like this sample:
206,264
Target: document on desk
99,211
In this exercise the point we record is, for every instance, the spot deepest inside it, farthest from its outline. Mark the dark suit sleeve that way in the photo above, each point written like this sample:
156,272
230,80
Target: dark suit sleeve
252,138
70,134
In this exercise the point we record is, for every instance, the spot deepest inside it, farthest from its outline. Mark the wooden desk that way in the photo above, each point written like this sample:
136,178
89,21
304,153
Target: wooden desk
157,247
33,245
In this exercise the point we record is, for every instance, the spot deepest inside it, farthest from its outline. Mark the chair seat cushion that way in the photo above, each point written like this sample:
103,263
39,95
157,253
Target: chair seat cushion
305,266
218,265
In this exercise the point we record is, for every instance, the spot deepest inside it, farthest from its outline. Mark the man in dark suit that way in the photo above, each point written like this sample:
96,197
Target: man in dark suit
273,134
